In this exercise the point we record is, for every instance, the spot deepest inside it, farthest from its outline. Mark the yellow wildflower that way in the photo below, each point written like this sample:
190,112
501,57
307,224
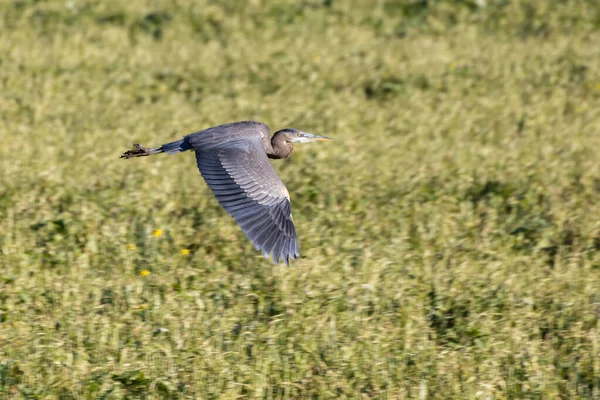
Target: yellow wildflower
316,58
185,252
157,233
131,246
144,272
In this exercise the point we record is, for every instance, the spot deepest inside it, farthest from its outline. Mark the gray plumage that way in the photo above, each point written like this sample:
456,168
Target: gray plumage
233,159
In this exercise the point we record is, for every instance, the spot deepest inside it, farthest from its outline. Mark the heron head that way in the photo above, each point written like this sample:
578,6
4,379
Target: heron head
296,136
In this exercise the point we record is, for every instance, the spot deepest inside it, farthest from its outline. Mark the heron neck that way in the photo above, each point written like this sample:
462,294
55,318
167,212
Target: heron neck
278,147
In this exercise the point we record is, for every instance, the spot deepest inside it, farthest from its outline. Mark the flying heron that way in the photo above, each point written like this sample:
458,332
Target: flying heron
234,161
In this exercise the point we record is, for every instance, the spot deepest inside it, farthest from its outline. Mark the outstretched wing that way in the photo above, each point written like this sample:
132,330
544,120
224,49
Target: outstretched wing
244,182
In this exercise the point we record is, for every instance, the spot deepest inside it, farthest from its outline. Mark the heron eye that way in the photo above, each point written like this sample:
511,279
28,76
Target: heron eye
298,134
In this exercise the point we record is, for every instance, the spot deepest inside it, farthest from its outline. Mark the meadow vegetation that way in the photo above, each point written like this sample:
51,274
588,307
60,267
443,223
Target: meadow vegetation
450,235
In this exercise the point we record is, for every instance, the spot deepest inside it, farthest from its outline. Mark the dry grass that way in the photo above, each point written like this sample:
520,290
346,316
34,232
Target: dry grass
450,235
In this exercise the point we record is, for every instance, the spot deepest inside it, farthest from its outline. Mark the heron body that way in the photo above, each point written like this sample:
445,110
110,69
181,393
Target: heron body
233,159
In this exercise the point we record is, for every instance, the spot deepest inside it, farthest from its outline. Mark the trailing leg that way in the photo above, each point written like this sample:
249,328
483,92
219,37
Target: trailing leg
169,148
139,151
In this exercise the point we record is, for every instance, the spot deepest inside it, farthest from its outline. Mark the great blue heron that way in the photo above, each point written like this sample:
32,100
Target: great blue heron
234,161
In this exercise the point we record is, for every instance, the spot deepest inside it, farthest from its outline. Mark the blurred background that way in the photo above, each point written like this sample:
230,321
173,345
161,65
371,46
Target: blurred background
450,235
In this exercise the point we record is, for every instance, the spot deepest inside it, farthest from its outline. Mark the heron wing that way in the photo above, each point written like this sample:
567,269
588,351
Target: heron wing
244,182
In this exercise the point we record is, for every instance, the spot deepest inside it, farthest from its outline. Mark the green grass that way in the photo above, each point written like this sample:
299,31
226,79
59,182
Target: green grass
450,235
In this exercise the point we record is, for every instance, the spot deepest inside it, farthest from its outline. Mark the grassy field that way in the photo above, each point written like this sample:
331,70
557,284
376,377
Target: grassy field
450,235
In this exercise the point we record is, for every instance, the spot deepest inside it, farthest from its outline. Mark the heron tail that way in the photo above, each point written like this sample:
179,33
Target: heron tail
169,148
174,147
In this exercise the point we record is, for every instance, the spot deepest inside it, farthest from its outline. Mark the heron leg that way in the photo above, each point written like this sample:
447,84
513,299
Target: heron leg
139,151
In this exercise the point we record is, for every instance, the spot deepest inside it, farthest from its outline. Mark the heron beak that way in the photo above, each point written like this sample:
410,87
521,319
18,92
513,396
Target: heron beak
305,137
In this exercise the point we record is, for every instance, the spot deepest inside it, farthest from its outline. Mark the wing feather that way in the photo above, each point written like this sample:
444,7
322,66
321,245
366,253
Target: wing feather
244,182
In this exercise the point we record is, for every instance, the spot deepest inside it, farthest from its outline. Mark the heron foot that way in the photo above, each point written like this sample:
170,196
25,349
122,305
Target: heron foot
139,151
